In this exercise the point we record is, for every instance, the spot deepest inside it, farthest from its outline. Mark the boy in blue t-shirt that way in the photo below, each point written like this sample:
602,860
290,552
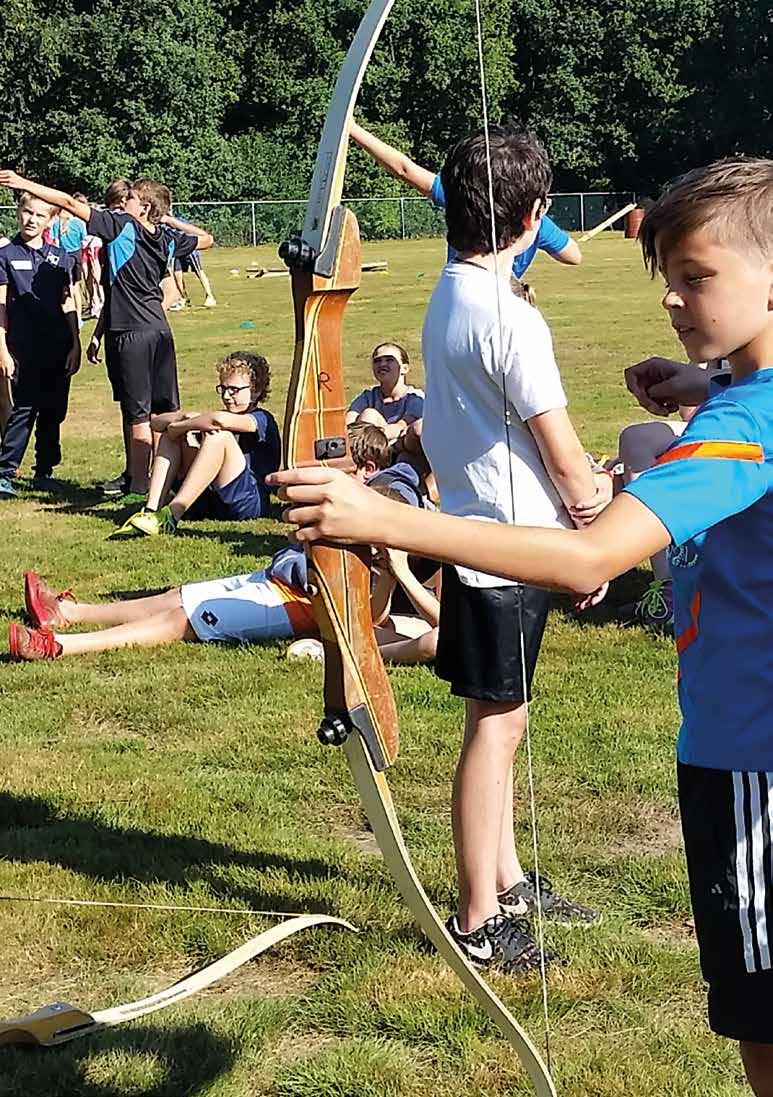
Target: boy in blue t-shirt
39,345
550,238
219,459
709,502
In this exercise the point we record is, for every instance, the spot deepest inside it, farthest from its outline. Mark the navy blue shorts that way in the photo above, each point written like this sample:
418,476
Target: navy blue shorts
241,500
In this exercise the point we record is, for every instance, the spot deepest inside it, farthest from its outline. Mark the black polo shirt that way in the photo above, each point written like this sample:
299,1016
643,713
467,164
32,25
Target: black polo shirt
38,280
137,260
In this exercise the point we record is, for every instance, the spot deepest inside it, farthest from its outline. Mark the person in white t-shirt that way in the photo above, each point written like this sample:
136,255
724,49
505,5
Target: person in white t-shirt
486,353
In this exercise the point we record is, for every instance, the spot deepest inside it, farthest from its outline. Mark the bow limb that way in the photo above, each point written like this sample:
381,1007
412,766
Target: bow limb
360,712
374,792
60,1022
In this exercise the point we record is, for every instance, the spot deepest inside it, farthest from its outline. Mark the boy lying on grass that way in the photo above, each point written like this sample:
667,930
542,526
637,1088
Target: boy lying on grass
708,501
218,460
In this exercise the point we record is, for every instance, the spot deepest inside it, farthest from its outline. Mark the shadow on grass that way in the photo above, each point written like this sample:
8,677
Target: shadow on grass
184,1060
33,830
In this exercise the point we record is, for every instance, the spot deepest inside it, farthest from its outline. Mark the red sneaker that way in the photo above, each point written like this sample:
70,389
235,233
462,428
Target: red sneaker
27,644
43,603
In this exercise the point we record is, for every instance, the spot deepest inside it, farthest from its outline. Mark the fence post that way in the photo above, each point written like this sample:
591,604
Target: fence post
582,213
254,229
402,218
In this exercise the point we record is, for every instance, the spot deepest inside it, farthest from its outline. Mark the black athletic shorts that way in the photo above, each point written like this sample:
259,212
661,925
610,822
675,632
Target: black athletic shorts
726,820
479,645
190,263
143,372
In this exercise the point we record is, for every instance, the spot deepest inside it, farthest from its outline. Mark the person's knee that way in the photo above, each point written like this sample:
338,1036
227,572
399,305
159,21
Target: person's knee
642,443
427,645
758,1064
370,415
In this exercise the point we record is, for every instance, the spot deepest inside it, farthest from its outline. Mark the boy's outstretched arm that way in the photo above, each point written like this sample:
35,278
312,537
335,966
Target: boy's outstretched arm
328,504
46,194
206,240
395,162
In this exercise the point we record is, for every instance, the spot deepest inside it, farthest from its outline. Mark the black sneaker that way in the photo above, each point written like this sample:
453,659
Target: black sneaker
521,899
47,483
501,942
119,486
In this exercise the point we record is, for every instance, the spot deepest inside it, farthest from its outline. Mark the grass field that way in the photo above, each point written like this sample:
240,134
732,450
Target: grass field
191,775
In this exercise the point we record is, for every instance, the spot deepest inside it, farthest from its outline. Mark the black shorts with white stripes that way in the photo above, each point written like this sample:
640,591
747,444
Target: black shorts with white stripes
726,820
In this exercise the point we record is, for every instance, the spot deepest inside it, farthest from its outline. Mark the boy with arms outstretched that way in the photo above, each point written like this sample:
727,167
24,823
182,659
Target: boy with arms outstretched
141,241
39,343
709,502
550,238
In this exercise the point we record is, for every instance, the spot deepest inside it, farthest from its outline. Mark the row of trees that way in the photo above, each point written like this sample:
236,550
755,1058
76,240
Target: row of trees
225,98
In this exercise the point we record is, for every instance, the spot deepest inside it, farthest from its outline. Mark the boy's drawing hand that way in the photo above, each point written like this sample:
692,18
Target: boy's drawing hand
73,361
92,351
327,504
7,364
583,513
10,179
661,385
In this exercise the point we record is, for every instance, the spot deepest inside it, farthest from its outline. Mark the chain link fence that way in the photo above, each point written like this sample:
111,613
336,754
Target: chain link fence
249,223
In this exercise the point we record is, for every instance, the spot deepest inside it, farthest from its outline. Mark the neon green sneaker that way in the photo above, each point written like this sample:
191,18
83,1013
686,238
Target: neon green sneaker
128,529
154,522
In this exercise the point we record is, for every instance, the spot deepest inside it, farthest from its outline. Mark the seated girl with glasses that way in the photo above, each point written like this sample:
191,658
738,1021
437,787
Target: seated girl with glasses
217,460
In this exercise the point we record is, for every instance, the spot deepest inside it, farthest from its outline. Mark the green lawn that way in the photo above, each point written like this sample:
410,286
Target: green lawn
191,775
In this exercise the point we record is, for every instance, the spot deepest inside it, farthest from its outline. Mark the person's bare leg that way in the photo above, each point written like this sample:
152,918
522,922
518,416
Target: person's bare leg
218,461
758,1064
119,613
160,628
492,733
509,870
202,276
166,465
140,455
395,648
375,418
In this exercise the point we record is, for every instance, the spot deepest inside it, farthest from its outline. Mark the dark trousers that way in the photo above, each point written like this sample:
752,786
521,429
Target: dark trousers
40,399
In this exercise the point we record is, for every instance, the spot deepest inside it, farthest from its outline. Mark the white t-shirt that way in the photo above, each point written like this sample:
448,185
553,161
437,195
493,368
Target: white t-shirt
466,362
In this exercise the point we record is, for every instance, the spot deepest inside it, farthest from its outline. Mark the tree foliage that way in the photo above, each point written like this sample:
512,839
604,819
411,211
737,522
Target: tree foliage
226,99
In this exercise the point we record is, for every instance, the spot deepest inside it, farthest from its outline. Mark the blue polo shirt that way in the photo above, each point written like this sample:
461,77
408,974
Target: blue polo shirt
550,237
713,491
38,280
409,407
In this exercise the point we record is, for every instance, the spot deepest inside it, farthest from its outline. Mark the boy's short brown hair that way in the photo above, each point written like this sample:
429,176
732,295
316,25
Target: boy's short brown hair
732,197
520,176
244,361
367,442
117,193
157,196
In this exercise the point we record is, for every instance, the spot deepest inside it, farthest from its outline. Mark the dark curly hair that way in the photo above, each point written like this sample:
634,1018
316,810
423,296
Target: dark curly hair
521,176
254,364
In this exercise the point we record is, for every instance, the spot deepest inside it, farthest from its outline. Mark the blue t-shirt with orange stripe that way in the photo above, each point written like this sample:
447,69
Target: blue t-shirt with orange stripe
713,490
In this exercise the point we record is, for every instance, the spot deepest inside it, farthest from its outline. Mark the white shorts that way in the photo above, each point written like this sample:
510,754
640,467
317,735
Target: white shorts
241,609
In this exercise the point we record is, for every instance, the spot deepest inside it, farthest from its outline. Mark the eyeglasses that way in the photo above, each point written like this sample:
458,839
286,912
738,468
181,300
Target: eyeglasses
230,390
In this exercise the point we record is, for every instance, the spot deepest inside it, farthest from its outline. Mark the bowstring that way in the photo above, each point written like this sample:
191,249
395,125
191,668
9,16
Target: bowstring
507,424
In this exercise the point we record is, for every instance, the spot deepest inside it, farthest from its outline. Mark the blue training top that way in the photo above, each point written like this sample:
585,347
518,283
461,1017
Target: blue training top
38,279
263,449
409,407
550,237
713,491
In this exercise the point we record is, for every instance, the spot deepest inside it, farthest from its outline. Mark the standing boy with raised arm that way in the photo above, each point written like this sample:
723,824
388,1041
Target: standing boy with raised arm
550,238
141,241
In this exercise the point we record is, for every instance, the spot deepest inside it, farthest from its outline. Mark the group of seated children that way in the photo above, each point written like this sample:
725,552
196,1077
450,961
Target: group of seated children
270,604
